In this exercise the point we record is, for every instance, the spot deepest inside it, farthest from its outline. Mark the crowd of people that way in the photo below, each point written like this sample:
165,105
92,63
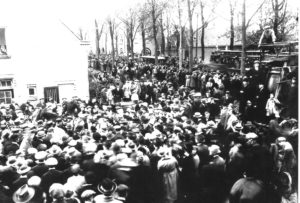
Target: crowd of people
155,134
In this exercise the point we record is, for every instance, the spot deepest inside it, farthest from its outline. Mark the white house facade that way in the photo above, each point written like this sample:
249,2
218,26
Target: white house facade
41,58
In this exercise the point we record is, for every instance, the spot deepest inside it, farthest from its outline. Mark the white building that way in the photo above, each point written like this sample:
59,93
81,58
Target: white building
43,59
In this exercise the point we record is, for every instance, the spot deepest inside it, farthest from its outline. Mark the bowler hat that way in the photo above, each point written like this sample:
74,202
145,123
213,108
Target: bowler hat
107,187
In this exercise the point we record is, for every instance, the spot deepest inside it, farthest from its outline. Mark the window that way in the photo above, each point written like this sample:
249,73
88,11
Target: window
31,91
6,96
5,83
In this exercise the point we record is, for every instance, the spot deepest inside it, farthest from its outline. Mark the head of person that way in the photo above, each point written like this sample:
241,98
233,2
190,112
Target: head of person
249,103
107,187
256,65
267,29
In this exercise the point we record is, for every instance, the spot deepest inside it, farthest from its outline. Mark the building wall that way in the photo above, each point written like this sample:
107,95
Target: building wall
45,55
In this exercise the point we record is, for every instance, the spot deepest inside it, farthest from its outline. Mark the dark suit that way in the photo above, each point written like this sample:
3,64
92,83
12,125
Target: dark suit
248,114
19,183
261,99
118,94
40,169
50,177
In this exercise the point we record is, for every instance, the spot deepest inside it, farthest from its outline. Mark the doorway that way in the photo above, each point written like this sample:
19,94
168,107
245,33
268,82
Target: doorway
51,92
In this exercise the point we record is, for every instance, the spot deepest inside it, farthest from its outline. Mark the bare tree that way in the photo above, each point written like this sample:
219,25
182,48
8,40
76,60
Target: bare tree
190,16
243,38
112,25
163,43
117,41
98,37
132,25
232,6
142,18
155,9
153,5
279,9
180,34
204,24
205,20
244,29
106,43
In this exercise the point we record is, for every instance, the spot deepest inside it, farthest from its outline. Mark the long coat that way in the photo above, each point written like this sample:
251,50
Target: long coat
168,168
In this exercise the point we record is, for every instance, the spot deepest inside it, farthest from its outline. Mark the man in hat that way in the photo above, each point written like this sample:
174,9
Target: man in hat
267,37
107,188
249,112
40,168
52,175
118,94
41,103
23,171
261,98
168,166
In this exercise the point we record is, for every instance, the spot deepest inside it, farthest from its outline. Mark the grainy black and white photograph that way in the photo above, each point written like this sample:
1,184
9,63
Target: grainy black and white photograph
149,101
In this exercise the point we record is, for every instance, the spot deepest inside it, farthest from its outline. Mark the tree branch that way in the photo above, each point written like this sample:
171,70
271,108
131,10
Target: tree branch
255,13
273,5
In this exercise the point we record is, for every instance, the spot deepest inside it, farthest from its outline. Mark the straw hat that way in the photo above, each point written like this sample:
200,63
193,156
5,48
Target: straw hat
23,194
214,150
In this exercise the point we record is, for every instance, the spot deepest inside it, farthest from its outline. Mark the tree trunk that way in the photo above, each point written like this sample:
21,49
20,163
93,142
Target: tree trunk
143,37
197,38
128,42
111,29
131,40
105,43
168,38
276,17
117,48
191,35
163,43
202,32
180,36
243,38
154,30
231,27
97,41
131,48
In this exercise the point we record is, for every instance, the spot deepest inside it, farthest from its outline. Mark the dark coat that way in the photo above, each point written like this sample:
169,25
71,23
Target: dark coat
18,183
139,191
50,177
40,169
118,94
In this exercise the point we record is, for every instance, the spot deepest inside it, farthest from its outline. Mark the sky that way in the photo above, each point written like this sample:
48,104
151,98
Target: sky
82,13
